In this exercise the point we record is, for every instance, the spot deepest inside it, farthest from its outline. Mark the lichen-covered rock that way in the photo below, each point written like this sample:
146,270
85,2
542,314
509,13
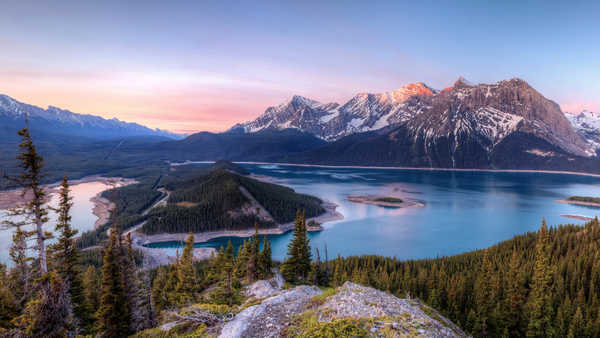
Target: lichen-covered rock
264,288
271,317
402,316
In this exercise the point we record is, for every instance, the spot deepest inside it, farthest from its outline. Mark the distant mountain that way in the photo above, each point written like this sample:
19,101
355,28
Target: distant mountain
587,125
330,121
506,125
265,145
56,121
484,114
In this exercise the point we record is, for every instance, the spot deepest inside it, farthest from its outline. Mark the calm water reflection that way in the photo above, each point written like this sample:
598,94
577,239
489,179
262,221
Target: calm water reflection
83,218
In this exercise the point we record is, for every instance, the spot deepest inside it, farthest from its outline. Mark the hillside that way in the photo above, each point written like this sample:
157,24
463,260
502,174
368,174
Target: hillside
222,200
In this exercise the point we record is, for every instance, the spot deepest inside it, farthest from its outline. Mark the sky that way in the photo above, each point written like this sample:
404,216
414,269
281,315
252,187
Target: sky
188,66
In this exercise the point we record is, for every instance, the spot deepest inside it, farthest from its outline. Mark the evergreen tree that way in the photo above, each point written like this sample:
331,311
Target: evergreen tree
540,312
35,209
297,266
576,329
253,251
160,296
186,275
227,291
20,275
265,261
130,283
8,303
91,285
113,315
49,314
146,314
514,297
66,256
241,260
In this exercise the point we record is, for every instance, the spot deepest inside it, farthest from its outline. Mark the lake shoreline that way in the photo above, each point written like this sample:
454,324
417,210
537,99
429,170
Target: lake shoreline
589,204
329,215
13,198
531,171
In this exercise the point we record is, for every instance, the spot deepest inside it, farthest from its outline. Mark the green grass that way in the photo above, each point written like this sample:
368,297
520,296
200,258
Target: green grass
389,200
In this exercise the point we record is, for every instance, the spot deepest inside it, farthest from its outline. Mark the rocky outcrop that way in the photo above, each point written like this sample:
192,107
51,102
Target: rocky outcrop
405,316
270,318
379,311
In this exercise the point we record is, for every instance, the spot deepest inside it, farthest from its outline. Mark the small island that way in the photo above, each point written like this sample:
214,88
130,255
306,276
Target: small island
582,200
385,201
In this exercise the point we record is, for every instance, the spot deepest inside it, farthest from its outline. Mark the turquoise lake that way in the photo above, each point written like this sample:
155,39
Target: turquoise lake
464,210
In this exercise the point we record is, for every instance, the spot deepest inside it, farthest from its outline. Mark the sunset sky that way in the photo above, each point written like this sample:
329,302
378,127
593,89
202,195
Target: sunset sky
204,65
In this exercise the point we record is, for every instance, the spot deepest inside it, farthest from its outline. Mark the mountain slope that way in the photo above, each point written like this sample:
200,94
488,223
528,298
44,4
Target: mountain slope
461,117
331,121
58,121
587,125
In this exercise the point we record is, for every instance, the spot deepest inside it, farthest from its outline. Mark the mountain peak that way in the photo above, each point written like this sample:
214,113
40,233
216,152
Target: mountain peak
462,82
301,100
410,90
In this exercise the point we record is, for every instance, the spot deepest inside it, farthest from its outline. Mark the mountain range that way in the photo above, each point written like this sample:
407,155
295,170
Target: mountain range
505,125
60,122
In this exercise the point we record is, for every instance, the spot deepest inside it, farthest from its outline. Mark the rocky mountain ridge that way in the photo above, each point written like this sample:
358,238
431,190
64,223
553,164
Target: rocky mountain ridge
484,114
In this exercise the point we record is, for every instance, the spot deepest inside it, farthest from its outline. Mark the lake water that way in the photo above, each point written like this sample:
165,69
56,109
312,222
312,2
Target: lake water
82,217
464,210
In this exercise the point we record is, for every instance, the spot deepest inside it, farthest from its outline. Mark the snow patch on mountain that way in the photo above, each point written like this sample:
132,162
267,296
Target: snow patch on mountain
587,125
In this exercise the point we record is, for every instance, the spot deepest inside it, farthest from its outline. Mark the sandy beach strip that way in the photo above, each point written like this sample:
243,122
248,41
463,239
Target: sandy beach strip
577,217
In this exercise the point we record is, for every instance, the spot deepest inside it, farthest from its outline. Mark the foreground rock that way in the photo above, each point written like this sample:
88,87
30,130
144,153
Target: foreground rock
270,318
375,312
404,316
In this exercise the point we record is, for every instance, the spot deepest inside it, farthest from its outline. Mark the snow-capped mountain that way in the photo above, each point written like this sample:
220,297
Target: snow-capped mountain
330,121
484,114
60,121
587,125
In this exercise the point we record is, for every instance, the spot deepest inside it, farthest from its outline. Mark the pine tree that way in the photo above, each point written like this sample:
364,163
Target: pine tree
8,303
49,314
91,284
66,256
253,251
160,296
297,266
514,297
540,312
265,261
227,291
146,315
576,329
241,260
130,283
20,274
36,209
113,315
186,274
